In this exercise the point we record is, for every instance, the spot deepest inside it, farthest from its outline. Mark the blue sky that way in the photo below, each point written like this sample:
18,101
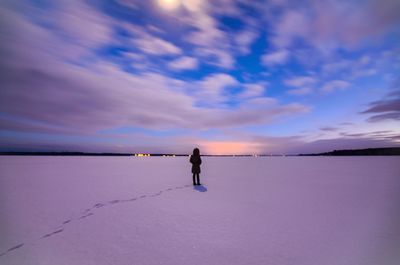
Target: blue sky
227,76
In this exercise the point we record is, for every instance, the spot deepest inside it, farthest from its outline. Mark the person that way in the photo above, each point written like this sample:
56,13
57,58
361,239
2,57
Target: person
195,159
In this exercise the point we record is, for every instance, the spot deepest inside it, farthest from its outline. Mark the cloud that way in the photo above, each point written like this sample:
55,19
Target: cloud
385,116
80,100
330,25
244,39
384,106
277,57
86,98
292,24
385,135
385,109
210,90
335,67
211,42
328,129
58,25
151,44
300,81
355,68
206,33
335,85
216,82
128,3
217,57
184,63
300,91
303,85
253,90
349,24
255,112
63,78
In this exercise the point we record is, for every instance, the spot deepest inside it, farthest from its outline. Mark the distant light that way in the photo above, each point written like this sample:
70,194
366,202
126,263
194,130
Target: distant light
142,155
169,4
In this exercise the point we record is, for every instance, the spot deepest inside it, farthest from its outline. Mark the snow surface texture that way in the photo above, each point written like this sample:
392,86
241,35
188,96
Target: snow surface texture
133,210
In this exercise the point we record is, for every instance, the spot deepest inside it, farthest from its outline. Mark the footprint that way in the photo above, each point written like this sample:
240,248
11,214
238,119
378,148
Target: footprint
53,233
87,215
11,249
157,194
58,231
16,247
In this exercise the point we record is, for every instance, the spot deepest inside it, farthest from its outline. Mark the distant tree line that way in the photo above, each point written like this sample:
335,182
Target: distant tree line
389,151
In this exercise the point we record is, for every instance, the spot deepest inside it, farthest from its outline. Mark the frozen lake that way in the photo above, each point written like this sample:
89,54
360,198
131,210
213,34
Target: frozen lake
144,210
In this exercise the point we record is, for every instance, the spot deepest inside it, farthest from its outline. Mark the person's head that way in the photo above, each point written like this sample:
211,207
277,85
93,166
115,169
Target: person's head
196,152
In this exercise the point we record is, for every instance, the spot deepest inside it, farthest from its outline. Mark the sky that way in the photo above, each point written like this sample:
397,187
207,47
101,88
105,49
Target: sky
227,76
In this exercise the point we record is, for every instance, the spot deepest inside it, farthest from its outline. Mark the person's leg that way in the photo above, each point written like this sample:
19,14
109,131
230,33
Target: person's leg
194,180
198,179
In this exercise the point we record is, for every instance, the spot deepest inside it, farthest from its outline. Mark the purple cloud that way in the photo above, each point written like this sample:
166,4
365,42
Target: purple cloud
328,129
66,71
42,90
335,85
385,109
328,25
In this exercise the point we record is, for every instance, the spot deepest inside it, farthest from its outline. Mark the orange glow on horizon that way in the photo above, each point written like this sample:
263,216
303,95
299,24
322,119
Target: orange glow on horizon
229,148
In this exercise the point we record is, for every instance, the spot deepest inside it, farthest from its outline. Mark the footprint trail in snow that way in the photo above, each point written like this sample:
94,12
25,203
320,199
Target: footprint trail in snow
89,212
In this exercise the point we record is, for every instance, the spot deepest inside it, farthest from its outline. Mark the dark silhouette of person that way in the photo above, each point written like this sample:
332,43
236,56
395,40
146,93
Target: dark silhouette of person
195,159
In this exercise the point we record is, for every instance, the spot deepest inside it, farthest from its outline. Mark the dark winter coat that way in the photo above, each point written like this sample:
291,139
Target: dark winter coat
196,162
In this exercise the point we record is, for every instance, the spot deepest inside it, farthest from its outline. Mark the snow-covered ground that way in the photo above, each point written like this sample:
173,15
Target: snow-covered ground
144,210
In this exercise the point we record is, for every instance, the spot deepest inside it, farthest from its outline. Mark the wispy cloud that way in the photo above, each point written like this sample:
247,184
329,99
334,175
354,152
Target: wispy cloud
275,58
303,85
253,90
211,42
335,85
385,109
328,25
210,90
291,25
328,129
300,81
73,70
300,91
151,44
244,39
184,63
